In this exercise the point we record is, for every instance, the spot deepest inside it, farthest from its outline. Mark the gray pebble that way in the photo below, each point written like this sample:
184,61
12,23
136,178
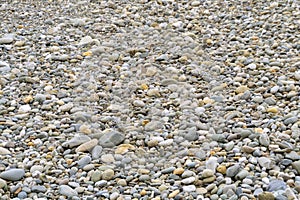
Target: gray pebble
13,174
84,161
276,185
96,152
111,139
233,170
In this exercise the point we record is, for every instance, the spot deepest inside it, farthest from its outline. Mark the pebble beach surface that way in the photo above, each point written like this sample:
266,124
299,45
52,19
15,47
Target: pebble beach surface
149,99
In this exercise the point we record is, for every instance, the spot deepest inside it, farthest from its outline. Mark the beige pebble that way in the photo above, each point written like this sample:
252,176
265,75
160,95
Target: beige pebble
4,151
85,129
241,89
174,193
124,148
87,146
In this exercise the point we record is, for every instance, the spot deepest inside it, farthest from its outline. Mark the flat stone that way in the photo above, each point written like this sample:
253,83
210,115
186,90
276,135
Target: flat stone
76,141
276,185
84,161
67,191
96,152
233,170
13,174
111,139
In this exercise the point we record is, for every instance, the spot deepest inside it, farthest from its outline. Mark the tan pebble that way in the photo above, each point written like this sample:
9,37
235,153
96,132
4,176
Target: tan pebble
153,93
201,190
143,171
183,59
209,42
152,143
162,188
122,182
221,169
258,130
272,110
19,43
174,193
241,89
87,145
123,148
85,129
28,99
178,171
247,149
143,192
151,71
69,161
60,102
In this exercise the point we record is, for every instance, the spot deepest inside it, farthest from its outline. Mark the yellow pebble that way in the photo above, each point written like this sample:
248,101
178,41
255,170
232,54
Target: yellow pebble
87,53
48,156
272,110
30,144
144,86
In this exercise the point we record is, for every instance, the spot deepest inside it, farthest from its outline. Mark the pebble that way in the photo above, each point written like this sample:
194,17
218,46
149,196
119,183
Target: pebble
84,161
13,174
189,188
296,166
276,185
67,191
4,151
233,170
111,139
107,158
96,152
87,146
108,174
3,184
266,196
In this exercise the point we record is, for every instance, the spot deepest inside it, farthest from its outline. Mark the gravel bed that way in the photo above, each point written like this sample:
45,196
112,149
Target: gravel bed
148,99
